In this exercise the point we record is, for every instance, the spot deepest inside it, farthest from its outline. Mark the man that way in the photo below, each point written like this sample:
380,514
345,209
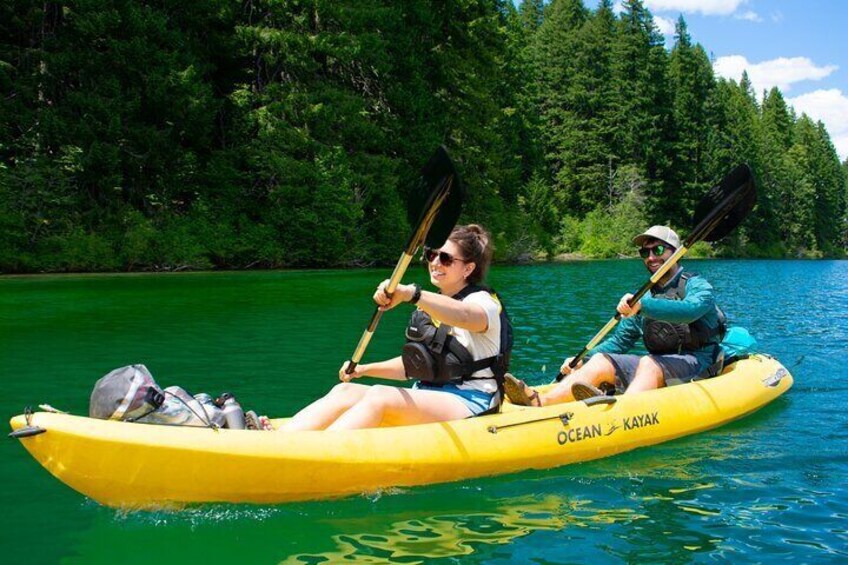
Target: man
680,324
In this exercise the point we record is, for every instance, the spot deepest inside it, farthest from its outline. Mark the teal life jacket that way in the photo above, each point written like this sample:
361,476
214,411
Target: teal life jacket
432,353
663,337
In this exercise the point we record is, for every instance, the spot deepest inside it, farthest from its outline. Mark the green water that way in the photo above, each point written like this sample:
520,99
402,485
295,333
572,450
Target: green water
769,487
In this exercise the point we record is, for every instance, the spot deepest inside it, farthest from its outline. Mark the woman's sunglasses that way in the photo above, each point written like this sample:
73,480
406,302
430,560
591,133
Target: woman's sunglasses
657,250
445,258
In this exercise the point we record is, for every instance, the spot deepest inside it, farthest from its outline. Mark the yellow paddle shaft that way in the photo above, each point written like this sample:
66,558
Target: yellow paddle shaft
394,281
655,278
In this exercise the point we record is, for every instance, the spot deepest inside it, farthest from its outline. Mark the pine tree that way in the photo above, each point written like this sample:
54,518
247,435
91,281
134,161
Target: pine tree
842,237
554,50
731,120
643,105
800,188
531,13
692,81
822,170
592,100
318,126
461,46
523,26
780,179
115,120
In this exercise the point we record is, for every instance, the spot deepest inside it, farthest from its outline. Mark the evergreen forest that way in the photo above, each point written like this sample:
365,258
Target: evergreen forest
222,134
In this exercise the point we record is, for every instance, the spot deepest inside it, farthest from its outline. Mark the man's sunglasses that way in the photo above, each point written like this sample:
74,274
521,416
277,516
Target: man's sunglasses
657,250
445,258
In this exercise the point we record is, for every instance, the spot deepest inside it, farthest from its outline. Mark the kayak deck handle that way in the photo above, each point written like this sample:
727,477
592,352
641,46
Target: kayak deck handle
565,418
593,400
27,431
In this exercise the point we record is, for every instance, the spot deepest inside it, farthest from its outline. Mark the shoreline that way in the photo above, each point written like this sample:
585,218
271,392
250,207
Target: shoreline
519,262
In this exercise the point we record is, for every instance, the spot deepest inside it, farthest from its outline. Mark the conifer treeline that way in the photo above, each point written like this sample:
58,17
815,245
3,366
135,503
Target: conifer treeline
212,133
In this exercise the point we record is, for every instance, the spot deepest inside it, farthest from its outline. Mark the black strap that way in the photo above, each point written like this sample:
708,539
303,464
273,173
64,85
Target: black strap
471,289
440,338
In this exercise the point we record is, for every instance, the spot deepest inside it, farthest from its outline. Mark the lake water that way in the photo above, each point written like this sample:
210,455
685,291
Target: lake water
769,487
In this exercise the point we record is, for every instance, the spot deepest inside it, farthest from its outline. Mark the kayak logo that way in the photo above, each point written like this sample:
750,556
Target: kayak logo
576,434
573,435
632,423
774,379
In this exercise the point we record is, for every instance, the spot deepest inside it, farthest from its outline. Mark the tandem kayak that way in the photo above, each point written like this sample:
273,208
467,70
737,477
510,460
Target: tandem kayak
131,465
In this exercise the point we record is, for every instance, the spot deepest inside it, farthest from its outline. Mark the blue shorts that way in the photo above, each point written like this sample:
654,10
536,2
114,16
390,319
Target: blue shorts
683,367
476,401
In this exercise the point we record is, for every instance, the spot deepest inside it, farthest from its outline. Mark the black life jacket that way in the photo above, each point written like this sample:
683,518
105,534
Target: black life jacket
662,337
433,355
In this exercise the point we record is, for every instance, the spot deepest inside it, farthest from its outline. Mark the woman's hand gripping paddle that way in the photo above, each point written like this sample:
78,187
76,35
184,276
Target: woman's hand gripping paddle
717,214
439,194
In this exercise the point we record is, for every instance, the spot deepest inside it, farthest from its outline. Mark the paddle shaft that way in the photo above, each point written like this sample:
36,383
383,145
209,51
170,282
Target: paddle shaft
415,241
397,275
702,230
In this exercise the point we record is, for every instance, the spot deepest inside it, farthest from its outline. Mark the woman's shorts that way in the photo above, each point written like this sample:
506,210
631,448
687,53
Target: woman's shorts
684,367
476,401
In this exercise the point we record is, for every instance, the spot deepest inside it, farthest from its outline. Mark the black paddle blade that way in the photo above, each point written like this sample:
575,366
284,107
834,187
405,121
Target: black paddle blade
439,186
725,206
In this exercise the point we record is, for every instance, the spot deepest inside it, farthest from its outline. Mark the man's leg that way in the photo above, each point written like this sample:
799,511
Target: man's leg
596,371
649,375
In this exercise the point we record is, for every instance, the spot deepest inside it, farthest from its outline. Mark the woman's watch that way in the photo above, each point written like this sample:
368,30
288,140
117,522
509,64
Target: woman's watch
416,294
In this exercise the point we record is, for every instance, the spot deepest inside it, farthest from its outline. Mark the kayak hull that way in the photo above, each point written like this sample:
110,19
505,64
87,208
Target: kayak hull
129,466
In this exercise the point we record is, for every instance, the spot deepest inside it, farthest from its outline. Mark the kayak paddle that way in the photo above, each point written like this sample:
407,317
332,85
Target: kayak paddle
716,215
442,194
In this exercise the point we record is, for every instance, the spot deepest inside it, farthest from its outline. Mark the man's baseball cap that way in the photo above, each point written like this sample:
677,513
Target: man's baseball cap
662,233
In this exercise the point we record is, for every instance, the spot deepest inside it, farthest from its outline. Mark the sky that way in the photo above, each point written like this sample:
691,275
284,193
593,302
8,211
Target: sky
800,46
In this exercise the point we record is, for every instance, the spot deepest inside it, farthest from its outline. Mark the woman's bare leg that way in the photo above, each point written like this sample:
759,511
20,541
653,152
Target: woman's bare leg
325,410
395,406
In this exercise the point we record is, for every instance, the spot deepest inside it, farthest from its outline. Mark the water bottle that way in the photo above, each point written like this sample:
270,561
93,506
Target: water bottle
233,413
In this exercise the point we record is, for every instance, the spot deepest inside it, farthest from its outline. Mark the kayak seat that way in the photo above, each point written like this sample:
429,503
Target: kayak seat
734,358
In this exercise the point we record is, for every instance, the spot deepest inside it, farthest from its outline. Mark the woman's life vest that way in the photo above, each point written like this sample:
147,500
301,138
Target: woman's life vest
662,337
433,355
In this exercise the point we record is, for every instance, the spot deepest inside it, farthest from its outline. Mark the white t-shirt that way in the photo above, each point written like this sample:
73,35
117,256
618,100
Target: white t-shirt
482,344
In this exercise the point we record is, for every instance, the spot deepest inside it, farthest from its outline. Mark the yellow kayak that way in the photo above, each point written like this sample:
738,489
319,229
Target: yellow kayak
130,465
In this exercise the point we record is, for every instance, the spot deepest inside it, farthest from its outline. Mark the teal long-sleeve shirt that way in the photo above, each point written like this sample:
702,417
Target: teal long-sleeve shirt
699,303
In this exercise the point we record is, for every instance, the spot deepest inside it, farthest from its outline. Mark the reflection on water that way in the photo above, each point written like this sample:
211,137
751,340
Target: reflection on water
417,540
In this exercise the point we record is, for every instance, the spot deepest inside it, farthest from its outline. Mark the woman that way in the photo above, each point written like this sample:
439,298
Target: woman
463,389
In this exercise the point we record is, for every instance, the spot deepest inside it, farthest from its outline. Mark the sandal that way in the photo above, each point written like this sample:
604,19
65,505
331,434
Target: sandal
519,393
582,391
254,422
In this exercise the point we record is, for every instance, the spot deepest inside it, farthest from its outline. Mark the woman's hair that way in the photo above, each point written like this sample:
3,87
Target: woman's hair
475,244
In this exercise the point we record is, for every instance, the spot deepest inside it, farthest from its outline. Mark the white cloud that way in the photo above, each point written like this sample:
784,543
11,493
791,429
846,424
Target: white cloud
782,72
665,25
706,7
831,108
750,16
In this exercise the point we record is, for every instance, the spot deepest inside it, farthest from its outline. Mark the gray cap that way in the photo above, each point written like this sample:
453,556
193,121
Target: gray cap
662,233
